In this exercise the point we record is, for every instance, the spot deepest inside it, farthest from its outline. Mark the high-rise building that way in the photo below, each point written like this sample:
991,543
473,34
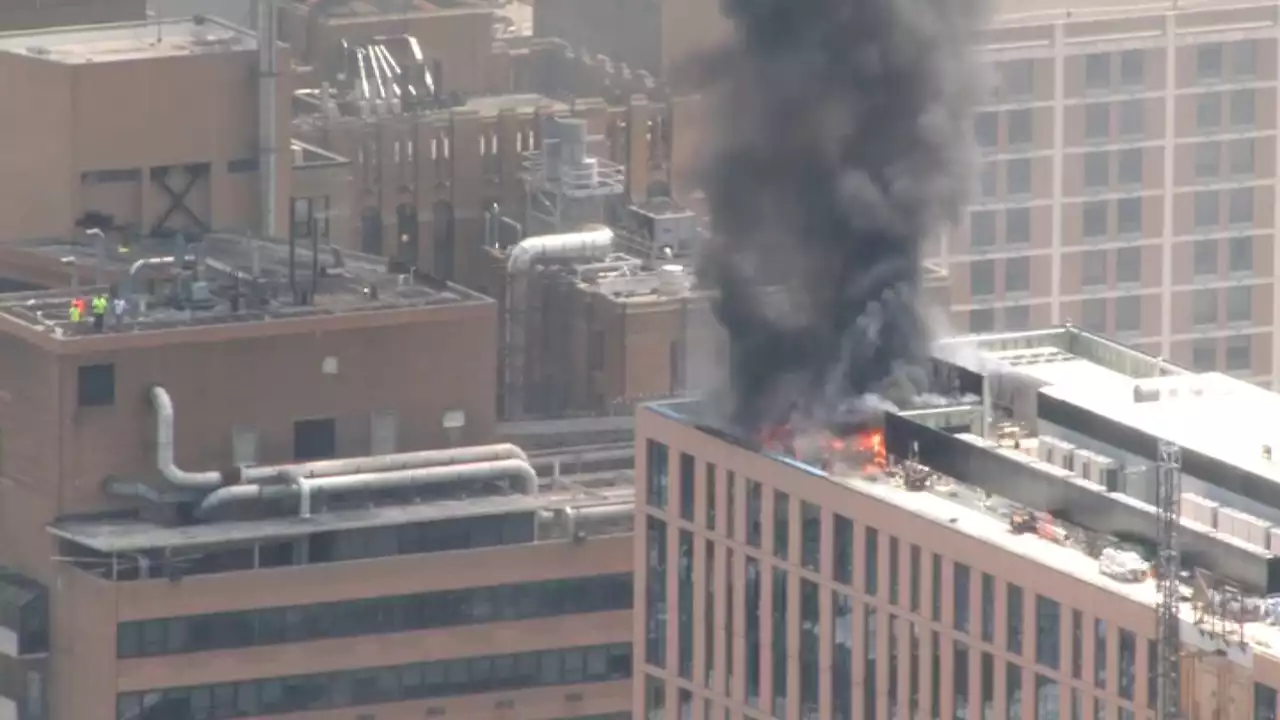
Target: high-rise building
1127,180
984,559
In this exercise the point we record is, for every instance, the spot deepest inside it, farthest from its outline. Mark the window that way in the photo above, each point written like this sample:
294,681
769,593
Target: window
982,228
809,663
1017,226
870,650
842,657
316,438
1240,254
1047,698
986,129
352,688
960,600
1131,68
1019,78
1013,691
988,608
1128,313
96,385
1129,167
711,496
842,557
1128,265
1239,354
1208,160
1204,355
1133,121
1244,59
1017,274
779,652
684,605
1264,702
1206,208
913,578
656,592
1240,206
1017,317
1097,71
1205,257
987,685
811,536
893,570
1209,62
1239,304
1093,268
1013,610
1094,311
1048,629
935,583
871,563
1244,110
1077,644
657,475
688,489
935,676
1097,121
1097,170
755,510
982,320
1100,654
1241,163
987,180
1094,218
1128,661
1208,111
1129,216
730,504
752,638
1019,130
1204,307
982,278
1017,176
781,524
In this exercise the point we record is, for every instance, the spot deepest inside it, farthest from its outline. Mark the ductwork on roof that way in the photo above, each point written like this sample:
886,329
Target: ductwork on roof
213,479
304,488
592,243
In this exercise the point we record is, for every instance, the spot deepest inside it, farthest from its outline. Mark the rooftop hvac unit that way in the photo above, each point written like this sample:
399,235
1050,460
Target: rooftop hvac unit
1106,472
1084,462
1066,458
1047,449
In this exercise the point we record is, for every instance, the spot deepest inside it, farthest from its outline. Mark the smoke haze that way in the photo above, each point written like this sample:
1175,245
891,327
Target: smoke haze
842,143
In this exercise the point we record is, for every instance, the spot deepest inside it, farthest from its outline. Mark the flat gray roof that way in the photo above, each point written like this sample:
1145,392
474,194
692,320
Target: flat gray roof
117,42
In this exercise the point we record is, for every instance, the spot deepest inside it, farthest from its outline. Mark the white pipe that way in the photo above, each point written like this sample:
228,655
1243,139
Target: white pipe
594,243
212,479
573,515
305,487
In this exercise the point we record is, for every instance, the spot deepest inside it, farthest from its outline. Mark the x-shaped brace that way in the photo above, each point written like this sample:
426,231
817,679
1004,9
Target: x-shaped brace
178,198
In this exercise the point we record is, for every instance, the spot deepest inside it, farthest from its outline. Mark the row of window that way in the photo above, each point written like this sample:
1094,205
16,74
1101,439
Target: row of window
353,688
403,613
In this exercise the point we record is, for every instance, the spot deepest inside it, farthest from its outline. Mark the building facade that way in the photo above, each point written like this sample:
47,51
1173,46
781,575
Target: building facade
1127,182
32,14
771,588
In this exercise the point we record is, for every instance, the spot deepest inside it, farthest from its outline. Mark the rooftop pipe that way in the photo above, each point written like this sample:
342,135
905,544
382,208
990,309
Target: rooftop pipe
305,487
213,479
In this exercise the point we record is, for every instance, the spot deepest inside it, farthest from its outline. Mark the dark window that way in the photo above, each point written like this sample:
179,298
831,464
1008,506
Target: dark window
752,639
1264,702
1013,691
684,610
1128,661
656,593
1077,644
894,581
842,557
809,664
658,473
871,565
779,648
935,577
395,614
353,688
709,612
913,578
960,587
1048,626
243,165
842,657
315,439
97,385
870,651
1013,612
755,508
988,608
1100,654
781,524
687,487
711,496
811,536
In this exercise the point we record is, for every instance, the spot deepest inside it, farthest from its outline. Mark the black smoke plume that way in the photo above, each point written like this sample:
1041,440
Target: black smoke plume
841,145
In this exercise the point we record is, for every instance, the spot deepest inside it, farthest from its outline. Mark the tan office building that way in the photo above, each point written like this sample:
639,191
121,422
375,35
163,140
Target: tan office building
1128,181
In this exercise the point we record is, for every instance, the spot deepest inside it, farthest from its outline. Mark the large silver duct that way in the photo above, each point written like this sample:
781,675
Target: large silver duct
304,488
213,479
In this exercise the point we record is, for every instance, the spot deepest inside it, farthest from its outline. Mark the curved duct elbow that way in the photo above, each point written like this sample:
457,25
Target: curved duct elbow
164,448
304,488
594,243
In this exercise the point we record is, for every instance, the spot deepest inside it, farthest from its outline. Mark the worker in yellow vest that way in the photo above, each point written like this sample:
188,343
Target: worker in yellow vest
99,312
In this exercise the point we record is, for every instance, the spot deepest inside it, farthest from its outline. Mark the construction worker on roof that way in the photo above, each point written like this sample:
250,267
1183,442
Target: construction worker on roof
76,310
99,311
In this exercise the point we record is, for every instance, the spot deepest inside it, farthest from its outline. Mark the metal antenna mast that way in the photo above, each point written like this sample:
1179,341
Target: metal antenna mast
1168,565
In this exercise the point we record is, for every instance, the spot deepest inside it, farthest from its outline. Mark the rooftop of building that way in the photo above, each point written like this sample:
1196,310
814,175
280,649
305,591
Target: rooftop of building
126,533
118,42
217,285
1145,393
985,518
1027,12
357,10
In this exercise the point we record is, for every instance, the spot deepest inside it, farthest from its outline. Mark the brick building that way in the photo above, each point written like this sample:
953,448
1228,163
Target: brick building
154,124
32,14
226,503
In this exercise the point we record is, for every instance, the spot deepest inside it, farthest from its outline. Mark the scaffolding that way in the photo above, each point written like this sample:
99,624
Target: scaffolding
1168,569
566,188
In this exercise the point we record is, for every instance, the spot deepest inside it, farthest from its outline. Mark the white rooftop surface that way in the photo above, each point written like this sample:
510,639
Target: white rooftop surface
128,41
995,531
1211,413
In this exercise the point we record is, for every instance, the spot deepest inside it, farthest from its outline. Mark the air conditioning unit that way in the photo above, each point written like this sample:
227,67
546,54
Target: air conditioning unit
1066,456
1047,449
1084,462
1106,472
